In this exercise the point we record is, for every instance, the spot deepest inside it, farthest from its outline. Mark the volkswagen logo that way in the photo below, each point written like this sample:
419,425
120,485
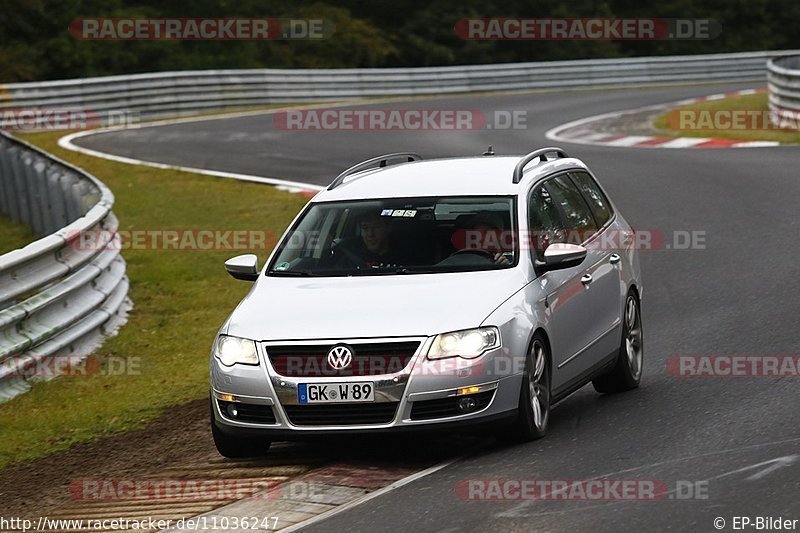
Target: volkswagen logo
340,357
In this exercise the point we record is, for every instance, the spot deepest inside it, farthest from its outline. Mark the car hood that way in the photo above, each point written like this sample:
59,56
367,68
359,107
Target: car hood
281,308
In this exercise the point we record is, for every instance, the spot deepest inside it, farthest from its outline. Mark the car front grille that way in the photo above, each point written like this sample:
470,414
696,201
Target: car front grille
369,359
247,412
444,407
341,414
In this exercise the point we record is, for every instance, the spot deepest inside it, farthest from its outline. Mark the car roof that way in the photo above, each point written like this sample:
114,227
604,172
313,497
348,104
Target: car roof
464,176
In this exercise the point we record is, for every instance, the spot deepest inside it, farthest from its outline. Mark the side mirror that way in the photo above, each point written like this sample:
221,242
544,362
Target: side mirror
562,255
244,267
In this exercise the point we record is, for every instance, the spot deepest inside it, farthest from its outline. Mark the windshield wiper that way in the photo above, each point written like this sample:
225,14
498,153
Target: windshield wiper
358,272
297,273
416,270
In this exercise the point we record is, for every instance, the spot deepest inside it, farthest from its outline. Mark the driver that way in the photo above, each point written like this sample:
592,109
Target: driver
483,233
375,248
376,237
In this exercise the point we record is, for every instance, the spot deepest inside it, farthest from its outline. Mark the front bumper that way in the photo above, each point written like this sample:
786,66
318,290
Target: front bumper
421,396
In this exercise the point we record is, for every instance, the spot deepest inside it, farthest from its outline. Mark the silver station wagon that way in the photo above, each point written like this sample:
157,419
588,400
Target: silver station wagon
418,295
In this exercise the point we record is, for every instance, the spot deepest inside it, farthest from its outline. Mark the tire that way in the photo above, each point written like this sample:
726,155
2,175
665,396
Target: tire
627,372
235,447
533,412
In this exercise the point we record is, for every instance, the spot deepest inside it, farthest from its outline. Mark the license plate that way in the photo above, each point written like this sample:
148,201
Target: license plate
335,392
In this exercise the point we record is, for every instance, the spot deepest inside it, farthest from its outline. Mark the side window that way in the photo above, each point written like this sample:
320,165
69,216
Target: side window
544,222
578,218
594,197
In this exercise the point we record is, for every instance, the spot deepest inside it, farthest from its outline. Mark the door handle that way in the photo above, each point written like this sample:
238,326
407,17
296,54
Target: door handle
614,259
586,279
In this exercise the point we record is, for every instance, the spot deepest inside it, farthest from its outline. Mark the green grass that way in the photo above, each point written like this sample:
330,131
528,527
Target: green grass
180,299
752,102
13,235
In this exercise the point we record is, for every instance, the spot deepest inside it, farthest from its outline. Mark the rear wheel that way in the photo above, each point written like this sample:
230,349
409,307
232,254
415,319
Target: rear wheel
627,373
236,447
533,412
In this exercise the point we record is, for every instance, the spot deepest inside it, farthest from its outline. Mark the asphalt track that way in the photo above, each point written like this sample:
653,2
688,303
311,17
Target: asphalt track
739,296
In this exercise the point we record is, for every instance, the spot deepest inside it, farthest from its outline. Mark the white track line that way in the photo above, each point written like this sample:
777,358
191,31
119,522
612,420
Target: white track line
593,136
288,185
683,142
291,186
755,144
630,140
66,142
380,492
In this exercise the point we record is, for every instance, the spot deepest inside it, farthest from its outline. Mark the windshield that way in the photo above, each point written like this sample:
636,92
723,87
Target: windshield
400,236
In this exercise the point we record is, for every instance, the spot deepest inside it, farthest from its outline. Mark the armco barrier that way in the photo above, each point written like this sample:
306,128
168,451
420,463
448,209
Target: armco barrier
189,92
783,77
56,297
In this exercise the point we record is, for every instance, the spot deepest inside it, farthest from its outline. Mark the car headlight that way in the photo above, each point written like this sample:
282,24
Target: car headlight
232,350
468,343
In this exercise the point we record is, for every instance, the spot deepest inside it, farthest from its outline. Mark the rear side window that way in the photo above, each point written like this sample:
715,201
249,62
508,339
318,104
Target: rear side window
601,209
545,223
578,218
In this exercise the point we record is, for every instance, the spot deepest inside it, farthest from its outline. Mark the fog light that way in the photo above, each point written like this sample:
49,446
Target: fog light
467,405
232,412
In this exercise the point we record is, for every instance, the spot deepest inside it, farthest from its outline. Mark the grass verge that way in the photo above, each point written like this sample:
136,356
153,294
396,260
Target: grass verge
13,235
758,103
180,299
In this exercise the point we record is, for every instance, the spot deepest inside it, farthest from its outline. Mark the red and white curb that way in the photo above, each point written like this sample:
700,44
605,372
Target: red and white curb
583,131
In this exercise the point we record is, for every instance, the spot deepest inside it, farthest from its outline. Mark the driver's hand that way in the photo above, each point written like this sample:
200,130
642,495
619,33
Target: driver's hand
500,259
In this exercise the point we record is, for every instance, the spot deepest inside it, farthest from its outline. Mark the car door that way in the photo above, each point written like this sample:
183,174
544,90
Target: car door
566,305
598,275
608,287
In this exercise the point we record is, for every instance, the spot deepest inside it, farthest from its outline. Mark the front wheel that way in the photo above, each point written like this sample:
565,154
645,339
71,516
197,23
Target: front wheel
533,412
627,373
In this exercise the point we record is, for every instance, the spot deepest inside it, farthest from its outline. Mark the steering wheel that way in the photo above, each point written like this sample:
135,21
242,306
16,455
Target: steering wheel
475,251
338,249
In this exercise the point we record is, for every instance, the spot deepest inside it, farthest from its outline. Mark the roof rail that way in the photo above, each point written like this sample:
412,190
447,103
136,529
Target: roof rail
541,153
380,161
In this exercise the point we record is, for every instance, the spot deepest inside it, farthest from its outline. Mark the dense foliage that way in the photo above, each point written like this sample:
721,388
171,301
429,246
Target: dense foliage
35,43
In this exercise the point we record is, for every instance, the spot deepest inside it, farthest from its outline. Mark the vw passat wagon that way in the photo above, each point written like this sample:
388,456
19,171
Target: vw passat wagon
435,294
